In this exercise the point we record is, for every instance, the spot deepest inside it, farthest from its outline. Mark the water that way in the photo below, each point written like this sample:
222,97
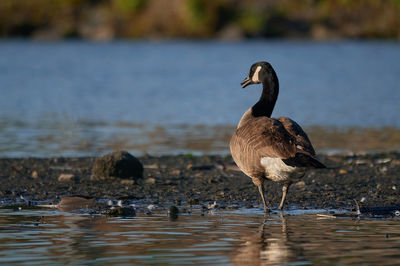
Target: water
84,98
81,98
223,238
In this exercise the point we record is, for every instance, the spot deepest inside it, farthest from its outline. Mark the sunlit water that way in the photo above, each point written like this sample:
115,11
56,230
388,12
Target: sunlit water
83,98
223,237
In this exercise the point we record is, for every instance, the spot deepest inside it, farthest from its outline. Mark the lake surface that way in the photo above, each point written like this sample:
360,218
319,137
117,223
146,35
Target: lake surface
77,98
222,237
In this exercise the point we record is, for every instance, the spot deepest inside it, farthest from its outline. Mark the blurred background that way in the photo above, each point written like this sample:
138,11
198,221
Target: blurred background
84,77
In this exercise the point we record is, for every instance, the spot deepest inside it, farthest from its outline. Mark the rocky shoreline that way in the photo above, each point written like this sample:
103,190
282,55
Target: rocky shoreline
370,179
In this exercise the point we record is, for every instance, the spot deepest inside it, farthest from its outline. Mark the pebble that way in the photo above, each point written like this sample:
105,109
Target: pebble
150,180
175,172
342,171
127,181
363,199
120,211
300,184
67,177
35,175
173,211
211,206
151,166
384,160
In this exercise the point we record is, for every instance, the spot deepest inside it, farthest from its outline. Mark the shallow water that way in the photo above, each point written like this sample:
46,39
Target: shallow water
223,237
84,98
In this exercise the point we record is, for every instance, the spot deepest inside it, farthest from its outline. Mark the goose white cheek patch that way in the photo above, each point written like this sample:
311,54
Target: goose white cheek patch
255,75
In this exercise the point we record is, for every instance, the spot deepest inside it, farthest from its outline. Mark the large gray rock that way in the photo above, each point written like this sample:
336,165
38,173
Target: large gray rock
118,164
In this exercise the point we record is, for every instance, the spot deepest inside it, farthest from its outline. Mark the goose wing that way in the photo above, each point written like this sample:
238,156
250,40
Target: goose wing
305,153
301,139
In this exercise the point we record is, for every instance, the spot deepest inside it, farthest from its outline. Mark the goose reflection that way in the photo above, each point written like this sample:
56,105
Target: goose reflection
269,246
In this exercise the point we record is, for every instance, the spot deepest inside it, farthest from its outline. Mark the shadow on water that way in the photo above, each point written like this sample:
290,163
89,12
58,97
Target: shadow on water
220,237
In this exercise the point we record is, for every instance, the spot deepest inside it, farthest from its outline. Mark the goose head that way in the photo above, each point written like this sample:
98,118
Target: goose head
259,72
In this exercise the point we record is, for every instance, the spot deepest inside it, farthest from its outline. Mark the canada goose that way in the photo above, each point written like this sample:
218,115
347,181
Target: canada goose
266,148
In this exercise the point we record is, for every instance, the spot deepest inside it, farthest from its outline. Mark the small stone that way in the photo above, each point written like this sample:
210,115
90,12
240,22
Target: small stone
168,182
67,177
382,161
150,180
193,201
300,184
363,199
360,162
151,166
173,212
35,175
119,164
127,182
342,171
175,172
120,211
211,206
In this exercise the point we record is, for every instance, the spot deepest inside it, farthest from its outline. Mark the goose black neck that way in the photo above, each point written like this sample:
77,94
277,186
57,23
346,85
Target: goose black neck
266,103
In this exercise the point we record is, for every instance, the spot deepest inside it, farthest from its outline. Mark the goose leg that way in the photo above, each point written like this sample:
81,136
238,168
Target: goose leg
285,188
261,190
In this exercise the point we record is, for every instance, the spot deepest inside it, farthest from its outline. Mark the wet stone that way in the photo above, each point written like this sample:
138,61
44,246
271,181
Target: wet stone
119,164
35,175
127,182
68,178
173,212
151,180
300,184
120,211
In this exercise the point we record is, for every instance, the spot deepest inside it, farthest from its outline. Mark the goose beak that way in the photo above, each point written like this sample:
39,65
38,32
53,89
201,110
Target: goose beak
245,82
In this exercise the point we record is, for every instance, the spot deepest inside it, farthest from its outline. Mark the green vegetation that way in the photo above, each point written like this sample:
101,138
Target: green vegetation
107,19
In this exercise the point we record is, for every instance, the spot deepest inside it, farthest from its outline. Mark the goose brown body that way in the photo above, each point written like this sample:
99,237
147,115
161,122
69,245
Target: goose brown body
266,148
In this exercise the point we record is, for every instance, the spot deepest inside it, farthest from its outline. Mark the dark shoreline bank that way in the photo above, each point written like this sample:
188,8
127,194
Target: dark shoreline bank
371,179
106,19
